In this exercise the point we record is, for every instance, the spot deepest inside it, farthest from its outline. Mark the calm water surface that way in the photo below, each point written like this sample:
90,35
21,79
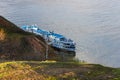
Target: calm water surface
93,24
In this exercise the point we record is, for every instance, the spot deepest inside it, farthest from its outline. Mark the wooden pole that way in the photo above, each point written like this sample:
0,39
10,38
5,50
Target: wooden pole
46,55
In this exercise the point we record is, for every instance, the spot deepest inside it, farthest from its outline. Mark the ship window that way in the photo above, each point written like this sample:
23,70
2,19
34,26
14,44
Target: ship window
66,44
62,39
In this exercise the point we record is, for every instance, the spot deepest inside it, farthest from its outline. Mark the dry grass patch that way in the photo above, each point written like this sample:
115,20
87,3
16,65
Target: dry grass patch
2,34
52,70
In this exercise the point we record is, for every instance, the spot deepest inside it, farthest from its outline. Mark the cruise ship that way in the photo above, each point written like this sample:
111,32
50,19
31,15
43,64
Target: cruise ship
53,39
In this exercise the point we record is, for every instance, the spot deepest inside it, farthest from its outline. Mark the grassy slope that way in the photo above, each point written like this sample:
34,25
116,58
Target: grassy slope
16,44
51,70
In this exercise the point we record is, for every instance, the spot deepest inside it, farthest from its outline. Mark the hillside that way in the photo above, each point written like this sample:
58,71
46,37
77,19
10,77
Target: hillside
25,48
51,70
16,44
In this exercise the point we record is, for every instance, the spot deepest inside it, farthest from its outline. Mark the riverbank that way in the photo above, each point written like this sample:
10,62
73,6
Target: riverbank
52,70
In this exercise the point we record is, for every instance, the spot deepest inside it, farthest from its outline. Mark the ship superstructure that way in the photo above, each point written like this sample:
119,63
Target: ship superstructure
54,39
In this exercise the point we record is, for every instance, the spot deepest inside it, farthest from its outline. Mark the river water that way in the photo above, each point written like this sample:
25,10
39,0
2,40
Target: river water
93,24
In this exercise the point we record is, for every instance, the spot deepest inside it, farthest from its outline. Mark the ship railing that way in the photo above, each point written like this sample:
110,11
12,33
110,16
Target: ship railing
64,42
71,49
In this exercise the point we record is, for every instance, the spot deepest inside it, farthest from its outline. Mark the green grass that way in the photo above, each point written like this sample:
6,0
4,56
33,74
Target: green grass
116,72
52,70
7,67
